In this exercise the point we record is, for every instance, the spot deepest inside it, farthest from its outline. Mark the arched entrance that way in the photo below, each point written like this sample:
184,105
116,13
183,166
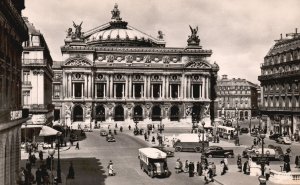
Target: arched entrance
119,113
138,112
77,113
100,113
156,113
241,115
246,114
196,112
174,113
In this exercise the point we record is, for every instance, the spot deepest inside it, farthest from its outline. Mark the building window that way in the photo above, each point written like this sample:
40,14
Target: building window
56,91
196,90
100,90
174,90
26,95
26,76
119,90
137,90
78,90
156,90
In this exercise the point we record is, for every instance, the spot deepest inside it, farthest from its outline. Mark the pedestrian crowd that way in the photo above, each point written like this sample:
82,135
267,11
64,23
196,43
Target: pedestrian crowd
200,168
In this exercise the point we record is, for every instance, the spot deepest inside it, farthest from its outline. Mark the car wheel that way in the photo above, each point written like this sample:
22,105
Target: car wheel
197,149
178,149
210,156
151,174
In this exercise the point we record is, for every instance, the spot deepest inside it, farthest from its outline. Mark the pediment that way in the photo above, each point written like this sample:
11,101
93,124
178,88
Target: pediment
78,61
198,64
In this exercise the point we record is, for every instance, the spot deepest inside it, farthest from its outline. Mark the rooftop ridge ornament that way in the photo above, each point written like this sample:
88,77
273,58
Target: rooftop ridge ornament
116,13
193,39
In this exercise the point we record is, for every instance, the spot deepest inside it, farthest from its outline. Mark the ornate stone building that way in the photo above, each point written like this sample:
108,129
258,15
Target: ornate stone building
13,32
116,72
37,77
237,98
280,82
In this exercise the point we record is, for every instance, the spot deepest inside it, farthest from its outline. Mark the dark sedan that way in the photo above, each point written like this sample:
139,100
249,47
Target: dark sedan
274,136
244,130
217,151
168,150
110,138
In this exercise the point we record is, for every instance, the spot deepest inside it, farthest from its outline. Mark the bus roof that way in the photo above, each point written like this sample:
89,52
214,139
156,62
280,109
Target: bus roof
153,153
228,128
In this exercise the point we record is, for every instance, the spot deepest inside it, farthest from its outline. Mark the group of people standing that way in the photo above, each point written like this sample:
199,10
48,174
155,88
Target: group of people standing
203,168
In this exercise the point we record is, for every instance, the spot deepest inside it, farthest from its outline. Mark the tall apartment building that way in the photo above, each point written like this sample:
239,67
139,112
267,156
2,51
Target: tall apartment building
280,82
37,77
237,98
13,32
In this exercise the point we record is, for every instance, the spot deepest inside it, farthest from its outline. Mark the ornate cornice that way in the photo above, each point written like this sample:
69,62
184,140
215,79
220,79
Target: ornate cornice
78,61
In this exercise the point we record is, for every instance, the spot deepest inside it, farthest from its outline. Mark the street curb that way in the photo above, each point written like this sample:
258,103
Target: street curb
218,182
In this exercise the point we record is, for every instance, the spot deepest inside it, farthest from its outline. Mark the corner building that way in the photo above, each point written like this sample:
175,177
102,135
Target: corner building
280,84
13,32
116,72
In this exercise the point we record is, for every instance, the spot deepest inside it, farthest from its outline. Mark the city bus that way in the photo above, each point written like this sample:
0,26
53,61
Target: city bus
225,132
153,162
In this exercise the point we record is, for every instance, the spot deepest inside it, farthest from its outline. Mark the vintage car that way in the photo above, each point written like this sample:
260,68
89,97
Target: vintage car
284,140
110,138
244,130
168,150
274,136
217,151
103,133
271,152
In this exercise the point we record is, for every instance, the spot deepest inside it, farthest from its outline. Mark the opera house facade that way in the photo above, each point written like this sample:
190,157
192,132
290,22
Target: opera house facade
114,73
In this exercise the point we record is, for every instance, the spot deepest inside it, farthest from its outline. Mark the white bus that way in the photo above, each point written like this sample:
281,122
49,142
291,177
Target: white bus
225,132
153,162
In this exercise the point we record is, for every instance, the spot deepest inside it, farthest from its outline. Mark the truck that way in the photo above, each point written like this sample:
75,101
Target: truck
190,143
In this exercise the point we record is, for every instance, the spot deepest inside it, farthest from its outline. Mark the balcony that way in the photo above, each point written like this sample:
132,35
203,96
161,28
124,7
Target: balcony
34,62
26,84
39,107
283,109
288,74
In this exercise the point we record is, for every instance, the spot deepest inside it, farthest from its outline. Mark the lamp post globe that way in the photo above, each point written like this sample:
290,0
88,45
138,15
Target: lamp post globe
51,152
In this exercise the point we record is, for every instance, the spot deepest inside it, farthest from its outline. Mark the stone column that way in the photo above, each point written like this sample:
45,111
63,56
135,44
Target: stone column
149,87
178,91
160,90
170,96
96,90
85,85
82,95
70,85
188,87
123,90
111,86
167,87
114,87
207,88
93,85
126,87
64,85
73,90
202,88
130,86
133,91
163,86
192,93
104,89
145,87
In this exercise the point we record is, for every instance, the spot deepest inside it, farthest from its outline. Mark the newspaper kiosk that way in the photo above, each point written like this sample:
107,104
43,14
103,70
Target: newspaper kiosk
153,162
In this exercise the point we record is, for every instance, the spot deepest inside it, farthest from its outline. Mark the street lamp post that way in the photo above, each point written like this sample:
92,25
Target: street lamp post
25,136
161,128
58,160
51,152
135,120
203,123
193,122
250,124
262,178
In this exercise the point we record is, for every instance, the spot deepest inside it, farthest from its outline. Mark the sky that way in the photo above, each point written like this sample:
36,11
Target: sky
239,32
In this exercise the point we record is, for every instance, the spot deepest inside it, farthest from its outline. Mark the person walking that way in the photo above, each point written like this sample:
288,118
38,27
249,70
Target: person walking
254,142
214,169
239,162
38,176
71,174
199,169
191,169
177,166
41,155
77,146
245,167
267,171
226,163
223,169
110,169
186,166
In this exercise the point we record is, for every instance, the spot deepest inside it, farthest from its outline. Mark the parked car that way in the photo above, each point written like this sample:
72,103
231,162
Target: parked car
284,140
103,133
274,136
244,130
271,152
168,150
110,138
217,151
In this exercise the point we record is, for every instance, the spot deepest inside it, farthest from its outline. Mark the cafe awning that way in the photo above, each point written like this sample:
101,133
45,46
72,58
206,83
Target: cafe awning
48,131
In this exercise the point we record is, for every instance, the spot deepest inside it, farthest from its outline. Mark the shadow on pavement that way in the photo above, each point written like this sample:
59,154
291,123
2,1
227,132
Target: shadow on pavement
88,171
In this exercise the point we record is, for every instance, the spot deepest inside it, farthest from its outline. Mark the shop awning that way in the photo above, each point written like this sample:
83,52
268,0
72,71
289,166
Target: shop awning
48,131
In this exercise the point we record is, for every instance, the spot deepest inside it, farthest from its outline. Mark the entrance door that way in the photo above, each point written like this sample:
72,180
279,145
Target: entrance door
156,113
119,113
100,113
196,112
138,113
78,113
174,113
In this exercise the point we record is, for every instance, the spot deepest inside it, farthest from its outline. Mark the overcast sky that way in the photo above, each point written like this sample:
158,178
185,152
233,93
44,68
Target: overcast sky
240,32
